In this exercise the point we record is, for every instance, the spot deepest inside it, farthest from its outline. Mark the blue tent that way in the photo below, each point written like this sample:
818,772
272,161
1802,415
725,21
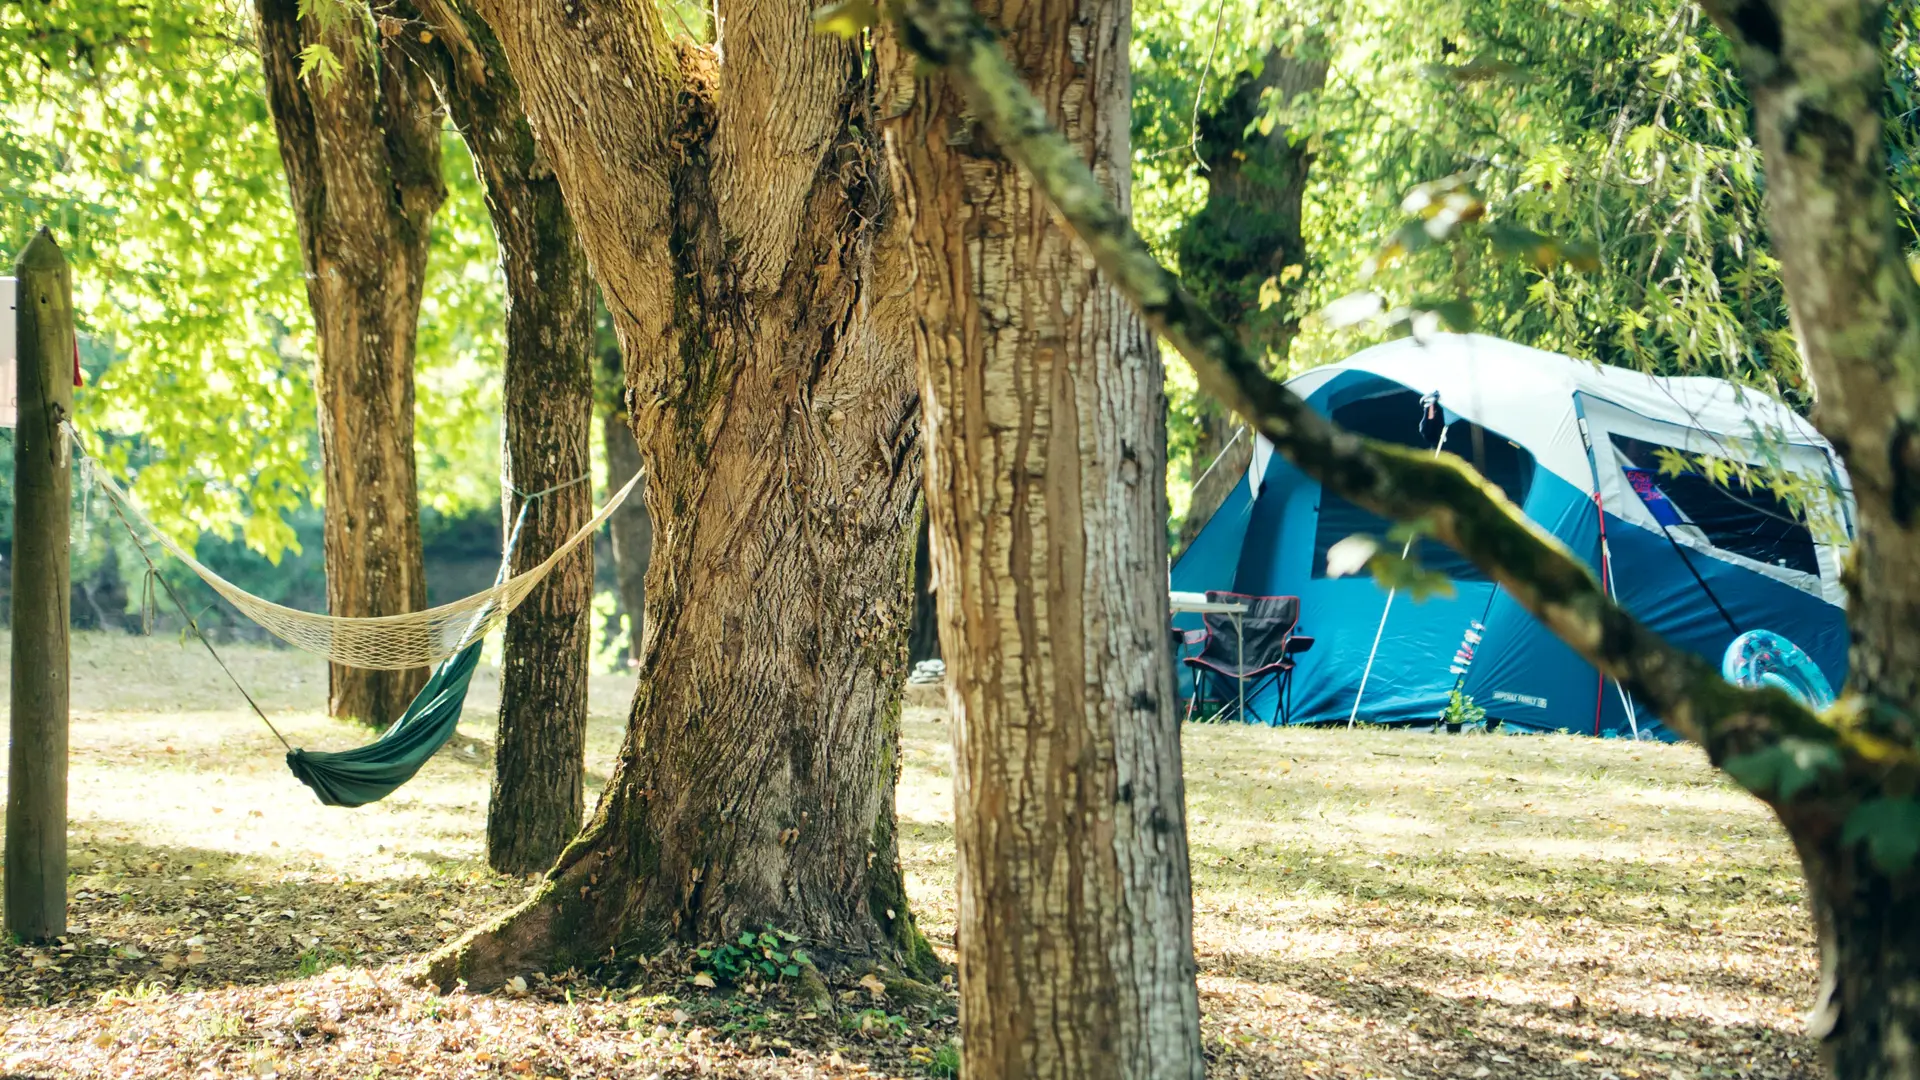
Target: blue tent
1588,452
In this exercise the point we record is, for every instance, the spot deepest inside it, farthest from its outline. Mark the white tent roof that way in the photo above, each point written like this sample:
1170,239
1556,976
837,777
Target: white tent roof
1540,400
1528,396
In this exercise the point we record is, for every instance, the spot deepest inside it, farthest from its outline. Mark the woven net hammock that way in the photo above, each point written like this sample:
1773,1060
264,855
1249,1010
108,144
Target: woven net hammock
387,642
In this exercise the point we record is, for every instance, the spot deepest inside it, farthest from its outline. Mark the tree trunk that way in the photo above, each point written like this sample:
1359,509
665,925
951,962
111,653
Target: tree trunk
738,226
361,149
1246,236
1046,488
1814,72
540,752
631,526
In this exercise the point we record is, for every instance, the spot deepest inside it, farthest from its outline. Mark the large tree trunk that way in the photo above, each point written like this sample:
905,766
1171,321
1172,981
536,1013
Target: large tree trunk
361,150
540,752
631,527
1046,488
1814,71
1245,236
738,226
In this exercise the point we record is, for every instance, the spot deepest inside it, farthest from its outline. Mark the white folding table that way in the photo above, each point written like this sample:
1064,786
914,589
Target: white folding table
1181,602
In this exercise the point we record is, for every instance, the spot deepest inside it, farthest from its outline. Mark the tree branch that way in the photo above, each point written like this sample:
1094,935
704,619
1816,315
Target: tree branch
1457,505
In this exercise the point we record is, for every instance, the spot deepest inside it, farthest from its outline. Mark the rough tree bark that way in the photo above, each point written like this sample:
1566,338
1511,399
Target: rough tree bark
547,400
631,527
738,223
361,149
1246,235
1046,489
1814,72
1843,782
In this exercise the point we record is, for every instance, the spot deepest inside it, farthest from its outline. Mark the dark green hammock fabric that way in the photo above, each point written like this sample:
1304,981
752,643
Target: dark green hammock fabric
370,773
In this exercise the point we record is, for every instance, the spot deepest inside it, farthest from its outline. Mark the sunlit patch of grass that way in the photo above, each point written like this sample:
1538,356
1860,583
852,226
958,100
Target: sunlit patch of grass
1366,902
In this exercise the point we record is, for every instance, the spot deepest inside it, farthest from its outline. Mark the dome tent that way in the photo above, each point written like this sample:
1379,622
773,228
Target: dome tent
1581,449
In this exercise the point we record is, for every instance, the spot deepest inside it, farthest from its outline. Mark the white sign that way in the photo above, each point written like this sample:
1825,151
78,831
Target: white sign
9,353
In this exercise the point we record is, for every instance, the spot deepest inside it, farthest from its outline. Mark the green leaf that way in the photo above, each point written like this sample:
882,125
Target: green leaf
846,18
1784,769
791,971
318,63
1890,828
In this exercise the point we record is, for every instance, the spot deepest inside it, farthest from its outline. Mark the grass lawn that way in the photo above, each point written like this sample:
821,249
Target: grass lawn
1367,904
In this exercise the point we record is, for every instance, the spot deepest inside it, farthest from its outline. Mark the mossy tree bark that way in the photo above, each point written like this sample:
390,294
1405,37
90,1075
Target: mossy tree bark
1046,491
1814,71
1246,240
361,150
1844,782
730,198
540,752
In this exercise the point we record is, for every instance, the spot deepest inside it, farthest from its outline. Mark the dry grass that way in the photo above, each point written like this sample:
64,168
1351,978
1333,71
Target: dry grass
1368,904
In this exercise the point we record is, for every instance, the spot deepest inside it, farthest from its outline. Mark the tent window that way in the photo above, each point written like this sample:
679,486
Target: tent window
1745,522
1395,417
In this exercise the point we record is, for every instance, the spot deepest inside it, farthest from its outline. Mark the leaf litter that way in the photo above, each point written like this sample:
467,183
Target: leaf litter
1367,905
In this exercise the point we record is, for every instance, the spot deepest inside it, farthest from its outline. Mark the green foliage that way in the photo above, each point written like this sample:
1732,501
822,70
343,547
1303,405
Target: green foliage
945,1062
320,958
1462,710
1785,769
770,955
877,1022
1619,187
1890,828
139,133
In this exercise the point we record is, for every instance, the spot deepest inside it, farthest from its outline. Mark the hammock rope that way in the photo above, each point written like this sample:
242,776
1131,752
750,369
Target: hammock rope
386,642
369,773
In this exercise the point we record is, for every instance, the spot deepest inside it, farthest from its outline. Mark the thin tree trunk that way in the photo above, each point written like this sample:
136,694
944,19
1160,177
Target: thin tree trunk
361,149
1046,486
739,229
1244,242
540,752
631,526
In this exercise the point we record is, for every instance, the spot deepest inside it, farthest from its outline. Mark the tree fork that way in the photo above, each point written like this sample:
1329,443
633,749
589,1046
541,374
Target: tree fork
36,836
740,233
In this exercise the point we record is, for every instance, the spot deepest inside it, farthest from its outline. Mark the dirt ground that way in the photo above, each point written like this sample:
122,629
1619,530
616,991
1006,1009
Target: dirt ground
1367,905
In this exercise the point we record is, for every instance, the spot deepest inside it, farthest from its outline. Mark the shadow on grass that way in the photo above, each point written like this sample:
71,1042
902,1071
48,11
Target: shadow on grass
1380,1018
148,919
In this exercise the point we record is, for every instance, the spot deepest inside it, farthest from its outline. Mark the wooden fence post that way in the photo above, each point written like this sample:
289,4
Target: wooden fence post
36,852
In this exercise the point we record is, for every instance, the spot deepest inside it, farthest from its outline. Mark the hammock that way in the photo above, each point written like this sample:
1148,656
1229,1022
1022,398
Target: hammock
370,773
449,635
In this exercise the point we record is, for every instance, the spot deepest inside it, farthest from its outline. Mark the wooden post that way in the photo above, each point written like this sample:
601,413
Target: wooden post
36,852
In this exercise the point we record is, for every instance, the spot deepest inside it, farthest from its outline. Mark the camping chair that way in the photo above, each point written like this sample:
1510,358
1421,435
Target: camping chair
1261,651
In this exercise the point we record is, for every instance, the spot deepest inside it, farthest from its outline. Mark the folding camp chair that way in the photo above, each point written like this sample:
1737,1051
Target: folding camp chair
1257,652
